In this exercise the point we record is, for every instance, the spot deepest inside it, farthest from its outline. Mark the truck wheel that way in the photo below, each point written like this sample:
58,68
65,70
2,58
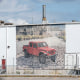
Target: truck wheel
42,58
53,58
26,54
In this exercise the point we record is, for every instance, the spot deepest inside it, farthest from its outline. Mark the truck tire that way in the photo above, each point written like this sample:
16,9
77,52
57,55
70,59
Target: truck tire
42,58
53,58
26,54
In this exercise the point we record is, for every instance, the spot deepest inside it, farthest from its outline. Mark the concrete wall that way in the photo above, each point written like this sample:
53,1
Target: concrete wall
2,44
11,51
73,38
8,38
72,59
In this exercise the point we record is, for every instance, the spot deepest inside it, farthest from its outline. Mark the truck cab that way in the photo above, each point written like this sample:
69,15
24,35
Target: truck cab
40,49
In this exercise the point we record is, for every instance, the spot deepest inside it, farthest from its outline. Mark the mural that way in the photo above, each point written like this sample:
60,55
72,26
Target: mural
40,47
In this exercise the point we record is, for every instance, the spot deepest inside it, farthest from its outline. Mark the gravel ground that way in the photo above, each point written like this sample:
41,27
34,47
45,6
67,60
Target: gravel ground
33,61
38,78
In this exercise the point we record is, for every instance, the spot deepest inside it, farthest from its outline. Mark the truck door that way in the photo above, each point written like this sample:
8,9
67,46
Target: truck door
35,51
30,48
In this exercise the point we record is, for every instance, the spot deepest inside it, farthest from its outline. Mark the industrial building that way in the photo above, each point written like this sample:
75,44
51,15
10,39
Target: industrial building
8,45
11,34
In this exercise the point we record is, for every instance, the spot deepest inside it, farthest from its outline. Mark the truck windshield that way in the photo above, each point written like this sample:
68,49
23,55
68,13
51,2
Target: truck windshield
42,44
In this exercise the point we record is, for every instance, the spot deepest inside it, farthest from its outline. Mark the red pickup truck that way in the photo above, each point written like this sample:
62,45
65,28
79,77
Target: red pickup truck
40,49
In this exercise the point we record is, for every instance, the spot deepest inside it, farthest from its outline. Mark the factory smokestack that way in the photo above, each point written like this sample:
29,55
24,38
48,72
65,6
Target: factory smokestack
44,14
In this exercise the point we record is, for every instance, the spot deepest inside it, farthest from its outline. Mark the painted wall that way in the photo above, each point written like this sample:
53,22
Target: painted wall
11,42
11,50
73,38
8,38
72,56
2,44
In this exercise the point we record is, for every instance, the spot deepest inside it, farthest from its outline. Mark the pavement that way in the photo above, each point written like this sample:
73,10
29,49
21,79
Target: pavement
38,78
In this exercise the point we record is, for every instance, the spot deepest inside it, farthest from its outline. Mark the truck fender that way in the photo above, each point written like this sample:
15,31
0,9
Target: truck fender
24,50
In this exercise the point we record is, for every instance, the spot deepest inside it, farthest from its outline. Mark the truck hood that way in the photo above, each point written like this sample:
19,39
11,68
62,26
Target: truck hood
46,49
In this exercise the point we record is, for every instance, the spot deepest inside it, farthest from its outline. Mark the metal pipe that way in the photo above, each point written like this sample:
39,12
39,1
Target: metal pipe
44,13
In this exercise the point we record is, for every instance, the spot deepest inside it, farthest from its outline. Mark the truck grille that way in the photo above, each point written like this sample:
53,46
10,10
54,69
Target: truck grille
51,52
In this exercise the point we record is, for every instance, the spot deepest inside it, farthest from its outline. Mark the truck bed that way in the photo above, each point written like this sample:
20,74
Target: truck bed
25,47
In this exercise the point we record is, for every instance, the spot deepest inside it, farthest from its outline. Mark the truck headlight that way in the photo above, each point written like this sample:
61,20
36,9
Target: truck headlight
45,53
48,51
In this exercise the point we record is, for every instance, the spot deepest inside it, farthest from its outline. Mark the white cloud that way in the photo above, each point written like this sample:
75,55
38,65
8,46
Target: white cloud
47,1
12,6
18,21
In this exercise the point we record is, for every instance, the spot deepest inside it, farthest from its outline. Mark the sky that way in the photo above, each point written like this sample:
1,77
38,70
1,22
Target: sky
30,11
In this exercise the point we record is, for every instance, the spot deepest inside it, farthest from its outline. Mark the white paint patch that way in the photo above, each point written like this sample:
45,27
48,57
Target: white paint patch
73,38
